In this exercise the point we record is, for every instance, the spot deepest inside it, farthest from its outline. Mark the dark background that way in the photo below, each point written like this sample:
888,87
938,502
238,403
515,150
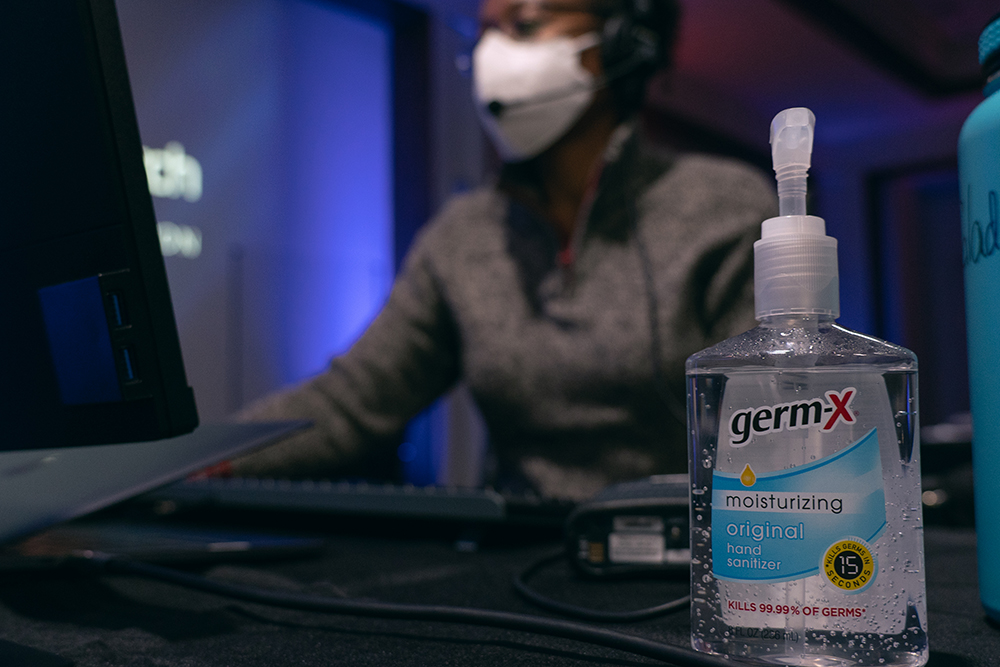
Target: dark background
327,131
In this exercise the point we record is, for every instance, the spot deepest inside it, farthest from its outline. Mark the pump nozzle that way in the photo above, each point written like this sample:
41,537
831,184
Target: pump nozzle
795,262
791,152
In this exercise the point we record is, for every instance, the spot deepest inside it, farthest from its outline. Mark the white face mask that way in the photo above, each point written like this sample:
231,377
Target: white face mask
529,94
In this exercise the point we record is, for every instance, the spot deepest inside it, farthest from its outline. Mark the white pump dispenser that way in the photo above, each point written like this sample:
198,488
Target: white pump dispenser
795,262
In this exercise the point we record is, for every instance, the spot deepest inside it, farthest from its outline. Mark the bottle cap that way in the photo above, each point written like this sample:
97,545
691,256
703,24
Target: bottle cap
989,48
795,268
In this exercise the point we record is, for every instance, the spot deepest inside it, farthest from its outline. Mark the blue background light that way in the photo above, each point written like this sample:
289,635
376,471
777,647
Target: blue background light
287,106
340,230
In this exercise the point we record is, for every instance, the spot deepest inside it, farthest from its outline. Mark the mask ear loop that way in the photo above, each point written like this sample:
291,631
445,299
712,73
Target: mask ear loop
587,40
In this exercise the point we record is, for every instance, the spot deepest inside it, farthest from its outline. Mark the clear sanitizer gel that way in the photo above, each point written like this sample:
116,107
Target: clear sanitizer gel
806,527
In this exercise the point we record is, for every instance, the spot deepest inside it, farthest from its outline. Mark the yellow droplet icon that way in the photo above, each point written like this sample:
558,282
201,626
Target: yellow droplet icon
748,478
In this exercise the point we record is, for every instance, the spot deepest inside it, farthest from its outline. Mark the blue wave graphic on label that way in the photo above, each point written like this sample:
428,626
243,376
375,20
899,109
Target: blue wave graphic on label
776,526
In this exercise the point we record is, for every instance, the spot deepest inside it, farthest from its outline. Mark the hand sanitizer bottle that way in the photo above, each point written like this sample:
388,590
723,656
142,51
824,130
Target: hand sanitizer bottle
806,526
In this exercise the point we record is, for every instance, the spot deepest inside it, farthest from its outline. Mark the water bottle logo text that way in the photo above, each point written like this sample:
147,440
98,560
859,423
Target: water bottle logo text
979,242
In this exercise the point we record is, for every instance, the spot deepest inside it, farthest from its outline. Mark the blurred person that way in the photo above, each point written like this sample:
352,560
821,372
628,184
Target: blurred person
568,293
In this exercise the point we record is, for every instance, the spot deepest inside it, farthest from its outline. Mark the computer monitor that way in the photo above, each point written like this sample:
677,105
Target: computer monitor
90,353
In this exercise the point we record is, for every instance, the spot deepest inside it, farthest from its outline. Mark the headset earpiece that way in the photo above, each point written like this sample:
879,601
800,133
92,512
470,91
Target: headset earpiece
629,39
630,50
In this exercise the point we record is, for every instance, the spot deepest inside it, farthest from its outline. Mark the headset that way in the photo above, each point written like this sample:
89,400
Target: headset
628,39
635,41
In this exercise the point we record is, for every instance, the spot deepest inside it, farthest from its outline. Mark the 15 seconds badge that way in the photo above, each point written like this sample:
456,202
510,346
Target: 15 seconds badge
849,564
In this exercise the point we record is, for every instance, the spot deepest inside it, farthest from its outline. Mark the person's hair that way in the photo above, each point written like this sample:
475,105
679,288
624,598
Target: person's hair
638,40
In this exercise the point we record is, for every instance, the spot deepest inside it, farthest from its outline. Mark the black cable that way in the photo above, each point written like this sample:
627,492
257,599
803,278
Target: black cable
574,611
675,655
676,407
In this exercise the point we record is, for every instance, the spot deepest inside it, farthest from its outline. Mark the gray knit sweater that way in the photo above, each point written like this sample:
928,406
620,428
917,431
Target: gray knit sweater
578,385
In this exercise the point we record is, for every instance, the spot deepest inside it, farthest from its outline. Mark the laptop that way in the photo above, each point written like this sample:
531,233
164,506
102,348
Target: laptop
42,487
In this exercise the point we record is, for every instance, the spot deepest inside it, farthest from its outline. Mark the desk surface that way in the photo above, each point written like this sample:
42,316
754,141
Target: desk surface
124,621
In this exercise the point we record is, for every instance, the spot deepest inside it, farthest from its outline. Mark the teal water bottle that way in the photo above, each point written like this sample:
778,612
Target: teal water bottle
979,178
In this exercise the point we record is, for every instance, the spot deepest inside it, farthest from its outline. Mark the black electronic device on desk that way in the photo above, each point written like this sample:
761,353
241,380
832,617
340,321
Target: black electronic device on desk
93,355
638,527
628,528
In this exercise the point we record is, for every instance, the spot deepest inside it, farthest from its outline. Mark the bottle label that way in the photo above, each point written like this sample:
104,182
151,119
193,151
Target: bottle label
818,518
